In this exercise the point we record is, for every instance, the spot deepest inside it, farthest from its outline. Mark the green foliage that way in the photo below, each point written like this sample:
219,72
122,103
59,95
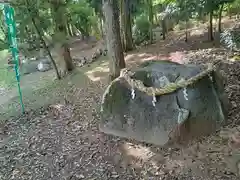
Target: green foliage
141,29
233,8
186,9
182,25
3,34
96,5
211,5
7,77
78,13
164,2
230,38
84,14
138,8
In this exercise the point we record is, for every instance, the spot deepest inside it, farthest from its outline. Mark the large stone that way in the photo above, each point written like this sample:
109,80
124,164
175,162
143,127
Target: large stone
44,67
31,66
45,60
157,32
190,112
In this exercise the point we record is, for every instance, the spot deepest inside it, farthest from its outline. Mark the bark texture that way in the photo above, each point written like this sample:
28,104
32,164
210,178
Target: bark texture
61,33
220,18
127,26
210,26
114,45
150,17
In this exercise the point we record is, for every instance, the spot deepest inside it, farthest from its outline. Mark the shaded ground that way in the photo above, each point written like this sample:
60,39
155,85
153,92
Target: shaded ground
39,81
62,141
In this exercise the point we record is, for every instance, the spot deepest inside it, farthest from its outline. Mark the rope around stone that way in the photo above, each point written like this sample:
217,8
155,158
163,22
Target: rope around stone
169,88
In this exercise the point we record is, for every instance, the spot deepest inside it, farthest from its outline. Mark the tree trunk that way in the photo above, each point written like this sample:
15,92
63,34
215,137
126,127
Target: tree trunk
150,18
211,26
186,31
156,18
69,29
114,45
163,28
122,23
67,57
58,11
47,49
220,18
128,40
40,35
76,31
101,26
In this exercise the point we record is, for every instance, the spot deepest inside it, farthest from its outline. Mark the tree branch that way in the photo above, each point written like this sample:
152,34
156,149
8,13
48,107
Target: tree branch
42,40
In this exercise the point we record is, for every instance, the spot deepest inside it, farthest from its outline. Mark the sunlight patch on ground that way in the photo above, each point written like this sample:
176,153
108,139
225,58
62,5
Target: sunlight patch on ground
155,57
129,56
150,58
137,155
143,55
141,155
97,73
140,57
139,152
197,32
146,57
177,56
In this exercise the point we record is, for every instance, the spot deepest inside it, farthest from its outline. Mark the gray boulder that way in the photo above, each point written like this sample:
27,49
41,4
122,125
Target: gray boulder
199,109
105,52
43,67
91,39
157,33
96,55
82,62
29,66
45,60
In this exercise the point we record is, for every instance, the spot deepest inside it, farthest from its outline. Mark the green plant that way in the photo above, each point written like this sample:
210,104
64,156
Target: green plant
141,29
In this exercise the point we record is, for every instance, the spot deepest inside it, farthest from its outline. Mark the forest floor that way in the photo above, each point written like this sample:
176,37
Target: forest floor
60,139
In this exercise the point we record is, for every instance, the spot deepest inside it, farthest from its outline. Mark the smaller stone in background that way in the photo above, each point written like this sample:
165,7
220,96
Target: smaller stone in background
105,52
43,67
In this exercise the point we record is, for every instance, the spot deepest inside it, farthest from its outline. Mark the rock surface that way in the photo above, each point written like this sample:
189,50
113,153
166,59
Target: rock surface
31,66
186,113
43,67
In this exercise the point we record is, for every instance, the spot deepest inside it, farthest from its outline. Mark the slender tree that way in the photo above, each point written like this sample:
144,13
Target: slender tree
126,22
58,13
34,13
122,22
150,18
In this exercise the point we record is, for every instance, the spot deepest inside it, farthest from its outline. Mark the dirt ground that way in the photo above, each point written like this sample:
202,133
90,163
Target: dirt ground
62,141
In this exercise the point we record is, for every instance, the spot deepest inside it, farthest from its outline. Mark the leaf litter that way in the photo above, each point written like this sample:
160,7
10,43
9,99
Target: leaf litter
62,141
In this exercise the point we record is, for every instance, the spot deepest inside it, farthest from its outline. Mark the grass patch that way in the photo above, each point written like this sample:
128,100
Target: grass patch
46,91
7,77
50,92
